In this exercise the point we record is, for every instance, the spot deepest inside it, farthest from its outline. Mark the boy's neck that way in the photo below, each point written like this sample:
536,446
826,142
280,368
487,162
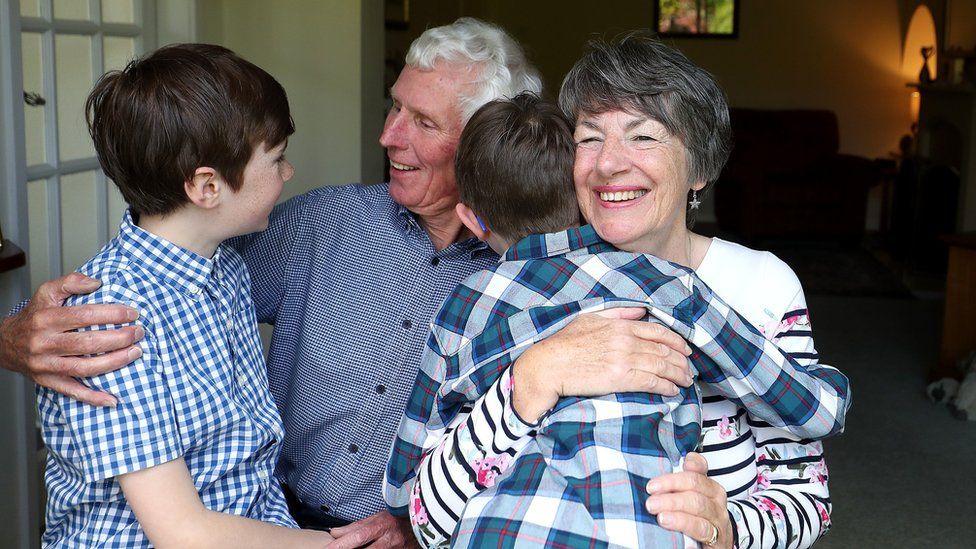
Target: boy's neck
188,228
501,244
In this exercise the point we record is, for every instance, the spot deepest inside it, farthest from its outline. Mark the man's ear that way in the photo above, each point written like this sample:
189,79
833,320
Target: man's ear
205,187
472,222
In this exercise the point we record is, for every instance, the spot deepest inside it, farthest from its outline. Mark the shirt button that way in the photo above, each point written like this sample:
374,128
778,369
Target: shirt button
407,324
380,389
435,261
353,448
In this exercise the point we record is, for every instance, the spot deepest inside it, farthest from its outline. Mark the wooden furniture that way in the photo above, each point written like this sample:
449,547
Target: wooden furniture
11,257
959,324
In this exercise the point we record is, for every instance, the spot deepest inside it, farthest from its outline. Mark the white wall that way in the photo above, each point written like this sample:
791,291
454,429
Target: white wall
318,50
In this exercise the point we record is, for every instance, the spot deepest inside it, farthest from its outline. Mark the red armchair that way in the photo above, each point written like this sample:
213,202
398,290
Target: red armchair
786,178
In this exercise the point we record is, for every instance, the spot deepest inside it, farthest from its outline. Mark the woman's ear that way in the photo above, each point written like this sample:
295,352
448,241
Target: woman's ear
472,221
205,187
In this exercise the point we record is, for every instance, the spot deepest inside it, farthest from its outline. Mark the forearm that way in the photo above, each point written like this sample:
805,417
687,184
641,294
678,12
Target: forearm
466,460
784,387
205,529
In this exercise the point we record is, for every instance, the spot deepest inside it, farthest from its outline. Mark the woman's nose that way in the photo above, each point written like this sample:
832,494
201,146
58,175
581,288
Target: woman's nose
612,158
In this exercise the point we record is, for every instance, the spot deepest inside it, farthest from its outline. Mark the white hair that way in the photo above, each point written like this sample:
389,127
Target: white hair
504,70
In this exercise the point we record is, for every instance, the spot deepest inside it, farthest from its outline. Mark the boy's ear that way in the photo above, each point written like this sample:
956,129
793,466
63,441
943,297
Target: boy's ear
471,221
205,187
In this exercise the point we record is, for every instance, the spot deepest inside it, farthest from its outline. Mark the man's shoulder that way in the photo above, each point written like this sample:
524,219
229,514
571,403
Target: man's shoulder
351,198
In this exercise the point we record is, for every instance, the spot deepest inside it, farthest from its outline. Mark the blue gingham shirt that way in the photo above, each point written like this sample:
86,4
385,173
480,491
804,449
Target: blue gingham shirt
350,280
199,392
581,479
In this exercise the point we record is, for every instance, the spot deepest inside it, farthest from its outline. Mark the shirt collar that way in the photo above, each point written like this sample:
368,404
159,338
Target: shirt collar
184,269
471,246
575,240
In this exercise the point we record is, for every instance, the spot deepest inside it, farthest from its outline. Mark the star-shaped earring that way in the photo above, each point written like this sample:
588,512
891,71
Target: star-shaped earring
694,203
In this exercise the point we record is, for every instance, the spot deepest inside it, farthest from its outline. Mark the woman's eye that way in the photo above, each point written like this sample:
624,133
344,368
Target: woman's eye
644,138
427,124
585,140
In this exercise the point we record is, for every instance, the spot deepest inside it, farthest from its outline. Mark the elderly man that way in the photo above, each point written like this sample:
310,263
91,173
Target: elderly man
350,277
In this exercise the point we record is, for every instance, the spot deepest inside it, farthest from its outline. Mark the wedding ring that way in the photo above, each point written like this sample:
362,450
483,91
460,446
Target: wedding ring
711,541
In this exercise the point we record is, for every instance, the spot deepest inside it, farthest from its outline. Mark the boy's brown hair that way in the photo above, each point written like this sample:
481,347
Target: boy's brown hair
179,108
514,167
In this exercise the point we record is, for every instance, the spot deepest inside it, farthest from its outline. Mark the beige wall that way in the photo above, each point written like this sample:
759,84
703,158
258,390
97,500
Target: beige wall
316,49
842,56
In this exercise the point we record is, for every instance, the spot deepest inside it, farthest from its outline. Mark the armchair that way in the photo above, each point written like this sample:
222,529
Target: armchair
785,177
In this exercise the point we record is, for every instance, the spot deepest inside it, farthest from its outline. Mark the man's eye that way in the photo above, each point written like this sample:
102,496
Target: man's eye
427,124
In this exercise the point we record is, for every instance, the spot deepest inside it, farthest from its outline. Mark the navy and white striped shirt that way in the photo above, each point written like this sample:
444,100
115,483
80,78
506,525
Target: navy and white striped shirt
351,281
197,392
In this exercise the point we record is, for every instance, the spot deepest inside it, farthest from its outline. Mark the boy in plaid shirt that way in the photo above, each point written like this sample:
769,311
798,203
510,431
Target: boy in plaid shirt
579,481
194,137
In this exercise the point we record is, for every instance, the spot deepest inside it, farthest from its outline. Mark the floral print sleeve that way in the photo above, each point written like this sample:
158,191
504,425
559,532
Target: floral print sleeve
469,455
789,504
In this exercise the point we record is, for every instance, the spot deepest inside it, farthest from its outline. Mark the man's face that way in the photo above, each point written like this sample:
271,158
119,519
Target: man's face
421,134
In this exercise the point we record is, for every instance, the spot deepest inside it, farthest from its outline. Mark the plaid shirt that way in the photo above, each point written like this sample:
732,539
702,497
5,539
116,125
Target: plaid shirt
582,477
199,392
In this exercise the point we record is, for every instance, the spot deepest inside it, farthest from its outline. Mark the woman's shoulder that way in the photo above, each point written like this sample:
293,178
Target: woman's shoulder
743,275
757,264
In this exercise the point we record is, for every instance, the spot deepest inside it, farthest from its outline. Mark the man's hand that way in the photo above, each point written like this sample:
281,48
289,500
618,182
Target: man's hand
380,530
600,354
40,341
691,503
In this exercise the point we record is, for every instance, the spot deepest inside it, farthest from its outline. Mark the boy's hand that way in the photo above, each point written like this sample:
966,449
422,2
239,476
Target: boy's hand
40,341
600,354
381,530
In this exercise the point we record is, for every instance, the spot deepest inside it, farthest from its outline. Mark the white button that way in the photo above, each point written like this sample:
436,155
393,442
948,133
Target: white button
230,325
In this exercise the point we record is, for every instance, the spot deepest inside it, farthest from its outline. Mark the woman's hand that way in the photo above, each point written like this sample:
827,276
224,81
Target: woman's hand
691,503
600,354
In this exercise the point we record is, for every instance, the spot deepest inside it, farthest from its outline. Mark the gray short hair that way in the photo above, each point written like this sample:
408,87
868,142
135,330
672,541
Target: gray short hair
638,72
504,70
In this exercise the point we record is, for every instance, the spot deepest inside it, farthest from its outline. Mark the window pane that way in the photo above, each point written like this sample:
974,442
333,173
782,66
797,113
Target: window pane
30,43
116,205
73,64
118,52
117,11
72,9
79,223
30,8
37,232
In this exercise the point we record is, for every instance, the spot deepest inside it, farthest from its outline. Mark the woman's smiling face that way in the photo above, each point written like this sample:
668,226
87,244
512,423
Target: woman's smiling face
631,179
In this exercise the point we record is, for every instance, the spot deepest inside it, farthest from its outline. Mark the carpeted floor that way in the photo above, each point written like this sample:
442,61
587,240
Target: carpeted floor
902,475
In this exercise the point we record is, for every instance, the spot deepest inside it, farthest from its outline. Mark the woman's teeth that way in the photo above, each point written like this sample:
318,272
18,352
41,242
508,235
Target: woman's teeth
402,167
620,196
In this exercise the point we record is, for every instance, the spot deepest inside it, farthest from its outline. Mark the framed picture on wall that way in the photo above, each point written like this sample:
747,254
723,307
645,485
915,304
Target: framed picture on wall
696,18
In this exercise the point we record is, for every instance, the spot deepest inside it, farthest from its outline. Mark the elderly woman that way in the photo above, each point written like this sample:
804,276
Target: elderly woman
652,133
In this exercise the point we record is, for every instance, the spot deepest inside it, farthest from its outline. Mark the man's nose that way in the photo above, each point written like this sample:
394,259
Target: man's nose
393,134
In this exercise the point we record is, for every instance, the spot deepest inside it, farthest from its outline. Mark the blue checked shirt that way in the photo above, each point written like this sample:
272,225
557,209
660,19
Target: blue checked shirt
350,281
199,392
580,480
